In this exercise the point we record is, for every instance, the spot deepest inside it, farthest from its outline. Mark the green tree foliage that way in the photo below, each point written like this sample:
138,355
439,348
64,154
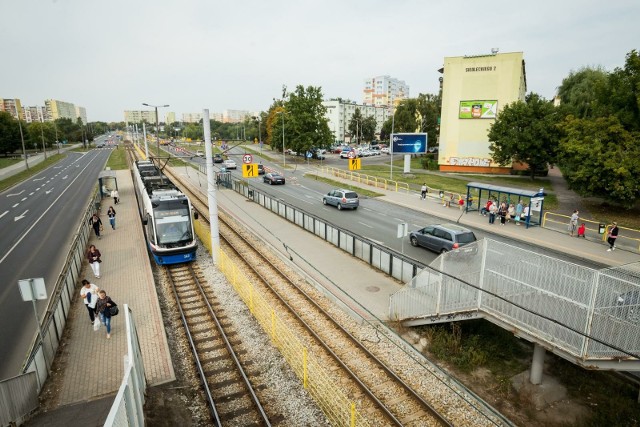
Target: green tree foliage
193,131
599,157
624,92
41,131
582,92
9,133
368,128
355,125
419,114
67,130
526,132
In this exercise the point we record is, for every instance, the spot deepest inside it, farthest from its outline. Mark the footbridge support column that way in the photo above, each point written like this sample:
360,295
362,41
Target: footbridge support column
537,364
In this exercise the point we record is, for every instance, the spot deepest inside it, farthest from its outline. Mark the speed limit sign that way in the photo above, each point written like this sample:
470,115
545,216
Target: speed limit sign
352,154
247,159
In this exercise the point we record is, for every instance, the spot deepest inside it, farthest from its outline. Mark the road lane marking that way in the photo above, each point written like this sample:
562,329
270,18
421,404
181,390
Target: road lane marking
15,194
16,218
366,225
4,213
15,205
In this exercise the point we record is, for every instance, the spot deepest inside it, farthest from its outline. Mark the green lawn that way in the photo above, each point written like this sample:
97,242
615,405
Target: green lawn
24,175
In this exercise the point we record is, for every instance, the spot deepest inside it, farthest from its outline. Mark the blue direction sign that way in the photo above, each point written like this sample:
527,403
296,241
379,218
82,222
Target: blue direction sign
410,143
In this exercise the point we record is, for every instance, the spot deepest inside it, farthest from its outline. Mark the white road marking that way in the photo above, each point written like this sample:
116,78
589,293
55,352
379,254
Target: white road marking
4,213
49,191
15,205
39,179
398,219
16,218
15,194
23,199
32,193
366,225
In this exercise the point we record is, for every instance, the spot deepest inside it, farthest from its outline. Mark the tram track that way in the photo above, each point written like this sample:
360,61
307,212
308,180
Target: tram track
231,392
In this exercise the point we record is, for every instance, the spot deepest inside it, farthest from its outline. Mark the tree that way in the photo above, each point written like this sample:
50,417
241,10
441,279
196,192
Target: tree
305,123
38,131
526,132
9,133
368,128
623,95
355,125
599,157
583,92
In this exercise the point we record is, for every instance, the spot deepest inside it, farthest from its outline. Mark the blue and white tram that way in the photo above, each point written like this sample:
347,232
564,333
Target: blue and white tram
166,215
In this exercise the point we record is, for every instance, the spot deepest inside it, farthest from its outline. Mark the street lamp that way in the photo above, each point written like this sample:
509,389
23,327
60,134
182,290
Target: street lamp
284,159
157,126
258,119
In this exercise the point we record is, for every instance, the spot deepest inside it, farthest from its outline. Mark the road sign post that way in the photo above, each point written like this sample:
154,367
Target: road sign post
32,290
247,159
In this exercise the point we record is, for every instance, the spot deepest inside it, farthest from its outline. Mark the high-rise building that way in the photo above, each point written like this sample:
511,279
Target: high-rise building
215,116
170,117
384,90
234,116
339,113
474,89
60,110
138,116
191,117
81,113
13,107
35,113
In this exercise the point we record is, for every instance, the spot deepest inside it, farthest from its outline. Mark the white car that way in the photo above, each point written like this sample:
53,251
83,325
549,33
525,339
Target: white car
385,150
229,164
199,153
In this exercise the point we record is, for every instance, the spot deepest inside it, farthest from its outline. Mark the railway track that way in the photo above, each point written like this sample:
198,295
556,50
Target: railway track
385,398
230,393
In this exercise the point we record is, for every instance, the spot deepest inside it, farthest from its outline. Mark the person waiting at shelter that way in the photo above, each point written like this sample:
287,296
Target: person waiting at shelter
486,208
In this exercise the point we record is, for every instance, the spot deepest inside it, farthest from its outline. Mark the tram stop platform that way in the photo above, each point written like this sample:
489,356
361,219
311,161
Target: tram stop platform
89,368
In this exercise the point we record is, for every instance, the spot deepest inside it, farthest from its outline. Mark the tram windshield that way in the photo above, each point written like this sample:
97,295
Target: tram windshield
173,223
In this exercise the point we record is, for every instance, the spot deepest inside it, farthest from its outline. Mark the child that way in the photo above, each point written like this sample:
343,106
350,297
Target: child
581,230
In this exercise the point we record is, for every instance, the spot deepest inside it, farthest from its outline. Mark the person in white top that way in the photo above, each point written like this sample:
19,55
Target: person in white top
89,295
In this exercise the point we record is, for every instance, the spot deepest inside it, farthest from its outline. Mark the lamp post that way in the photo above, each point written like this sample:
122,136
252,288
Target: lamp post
157,127
284,158
44,150
257,118
24,151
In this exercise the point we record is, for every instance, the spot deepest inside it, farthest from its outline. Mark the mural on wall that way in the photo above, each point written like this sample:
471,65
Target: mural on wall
469,161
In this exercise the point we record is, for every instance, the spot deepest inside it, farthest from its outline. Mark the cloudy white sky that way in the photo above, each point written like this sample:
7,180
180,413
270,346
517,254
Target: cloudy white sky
113,55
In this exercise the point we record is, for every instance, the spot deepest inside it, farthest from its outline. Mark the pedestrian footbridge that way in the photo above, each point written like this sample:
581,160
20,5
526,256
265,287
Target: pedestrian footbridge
589,317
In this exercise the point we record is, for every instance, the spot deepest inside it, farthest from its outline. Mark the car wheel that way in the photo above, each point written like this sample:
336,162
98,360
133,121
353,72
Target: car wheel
270,182
443,251
355,209
339,207
324,201
414,241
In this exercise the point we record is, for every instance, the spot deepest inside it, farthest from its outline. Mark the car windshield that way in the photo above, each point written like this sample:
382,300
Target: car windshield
466,237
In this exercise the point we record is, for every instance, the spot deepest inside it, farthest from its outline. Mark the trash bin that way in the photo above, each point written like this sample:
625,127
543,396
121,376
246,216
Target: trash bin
441,194
601,228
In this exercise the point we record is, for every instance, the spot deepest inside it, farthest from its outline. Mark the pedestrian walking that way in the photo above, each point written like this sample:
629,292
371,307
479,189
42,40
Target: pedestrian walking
613,235
502,213
423,191
573,222
111,213
89,295
96,223
93,255
103,310
582,231
493,210
525,213
115,196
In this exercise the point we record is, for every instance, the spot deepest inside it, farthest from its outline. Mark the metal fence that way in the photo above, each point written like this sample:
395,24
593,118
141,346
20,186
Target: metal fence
381,257
589,314
18,397
128,405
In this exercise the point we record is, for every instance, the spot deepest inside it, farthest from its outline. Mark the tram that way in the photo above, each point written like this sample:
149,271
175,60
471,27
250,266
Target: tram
166,215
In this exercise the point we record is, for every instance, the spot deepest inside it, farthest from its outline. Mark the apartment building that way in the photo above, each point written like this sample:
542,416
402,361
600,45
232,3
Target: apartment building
339,113
138,116
13,107
60,110
170,117
234,116
35,113
191,117
384,91
81,113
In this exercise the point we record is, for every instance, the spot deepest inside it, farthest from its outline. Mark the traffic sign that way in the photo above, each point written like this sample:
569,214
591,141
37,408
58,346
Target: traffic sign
352,154
250,171
247,159
354,164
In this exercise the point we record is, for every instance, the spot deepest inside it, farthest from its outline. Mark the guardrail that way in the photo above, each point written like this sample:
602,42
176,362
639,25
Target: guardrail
18,398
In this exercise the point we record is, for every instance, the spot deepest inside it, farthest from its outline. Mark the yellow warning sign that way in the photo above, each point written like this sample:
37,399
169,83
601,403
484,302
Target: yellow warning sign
354,164
250,170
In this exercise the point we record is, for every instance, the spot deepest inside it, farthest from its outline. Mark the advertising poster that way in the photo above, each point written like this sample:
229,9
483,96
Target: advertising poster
409,143
480,109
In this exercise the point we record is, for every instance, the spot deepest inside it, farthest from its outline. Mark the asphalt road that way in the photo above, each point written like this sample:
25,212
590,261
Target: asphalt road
38,218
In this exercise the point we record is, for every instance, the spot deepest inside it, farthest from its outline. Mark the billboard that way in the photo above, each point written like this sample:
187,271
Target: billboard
409,143
479,109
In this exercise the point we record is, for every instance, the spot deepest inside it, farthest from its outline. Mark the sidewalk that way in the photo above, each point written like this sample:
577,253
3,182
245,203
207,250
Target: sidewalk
33,160
89,365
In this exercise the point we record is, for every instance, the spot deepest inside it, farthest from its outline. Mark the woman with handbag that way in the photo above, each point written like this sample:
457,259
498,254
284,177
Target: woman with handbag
94,260
105,308
111,213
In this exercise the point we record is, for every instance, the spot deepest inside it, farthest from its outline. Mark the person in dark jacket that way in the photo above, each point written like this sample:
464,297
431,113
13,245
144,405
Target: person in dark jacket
613,235
103,309
111,213
93,255
95,222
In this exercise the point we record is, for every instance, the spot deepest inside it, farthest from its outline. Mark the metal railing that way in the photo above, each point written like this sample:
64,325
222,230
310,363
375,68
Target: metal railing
18,398
128,405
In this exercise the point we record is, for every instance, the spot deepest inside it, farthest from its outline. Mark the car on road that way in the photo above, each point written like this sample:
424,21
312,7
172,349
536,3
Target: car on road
217,158
442,237
100,144
344,154
230,164
385,150
261,170
273,178
342,199
199,153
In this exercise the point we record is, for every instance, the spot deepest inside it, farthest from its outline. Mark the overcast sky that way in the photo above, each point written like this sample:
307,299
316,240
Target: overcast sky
112,55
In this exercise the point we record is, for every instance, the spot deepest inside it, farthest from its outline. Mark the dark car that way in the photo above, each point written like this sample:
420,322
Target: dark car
217,158
342,199
261,170
442,237
273,178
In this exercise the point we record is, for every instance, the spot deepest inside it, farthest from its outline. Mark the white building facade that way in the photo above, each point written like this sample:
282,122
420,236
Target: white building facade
339,113
384,91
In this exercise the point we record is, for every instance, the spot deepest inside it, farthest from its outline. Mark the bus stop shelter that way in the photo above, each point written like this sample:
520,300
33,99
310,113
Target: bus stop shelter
483,192
107,182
